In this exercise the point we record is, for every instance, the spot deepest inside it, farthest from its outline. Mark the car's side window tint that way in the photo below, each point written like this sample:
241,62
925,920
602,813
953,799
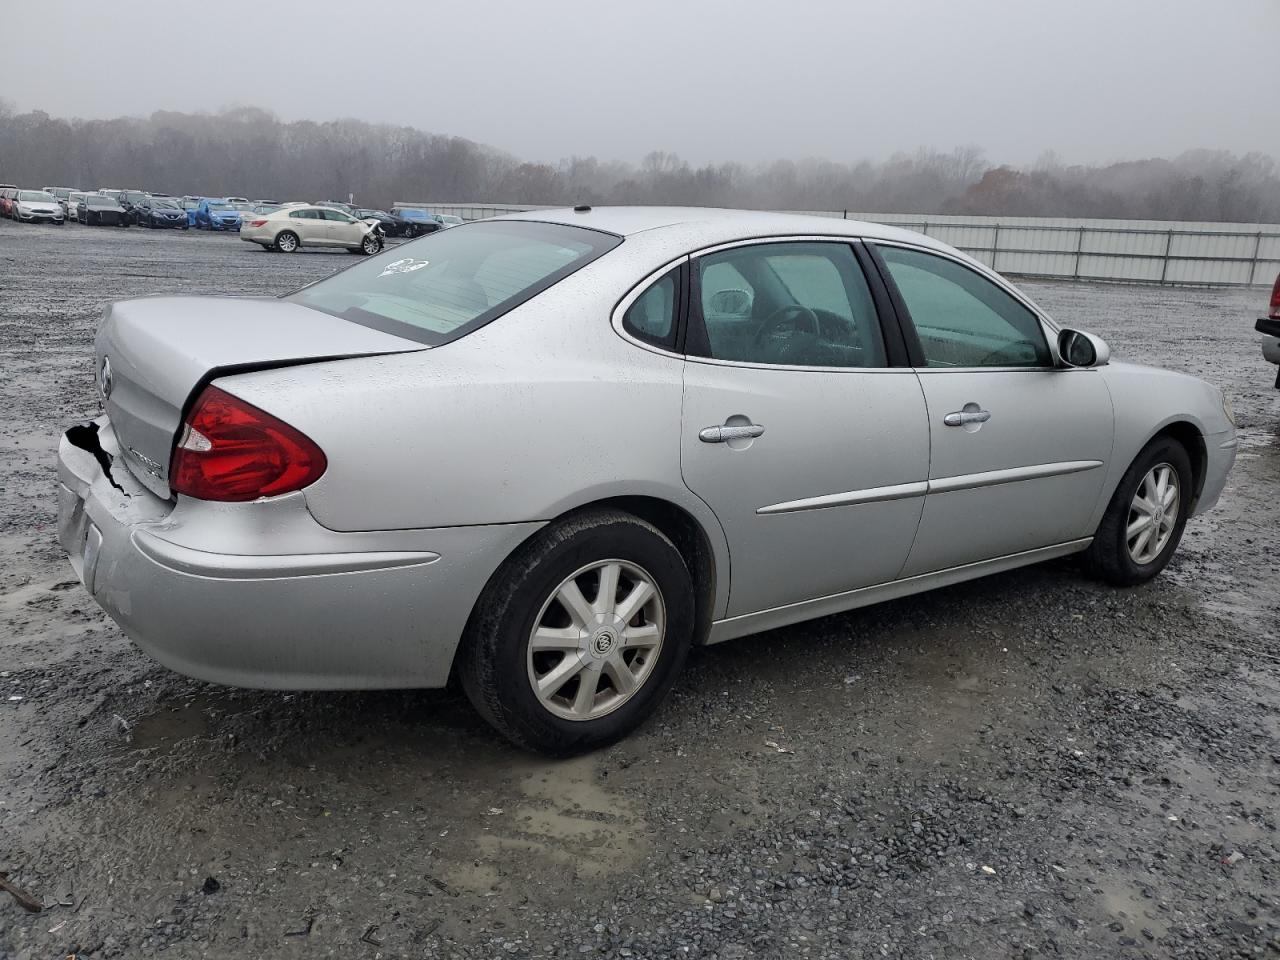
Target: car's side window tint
800,304
652,316
961,317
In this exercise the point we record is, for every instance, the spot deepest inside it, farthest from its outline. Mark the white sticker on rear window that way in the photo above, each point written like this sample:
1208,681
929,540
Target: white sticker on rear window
407,265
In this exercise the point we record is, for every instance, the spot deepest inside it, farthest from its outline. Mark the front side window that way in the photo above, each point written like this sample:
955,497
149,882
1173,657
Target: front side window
800,304
446,284
961,317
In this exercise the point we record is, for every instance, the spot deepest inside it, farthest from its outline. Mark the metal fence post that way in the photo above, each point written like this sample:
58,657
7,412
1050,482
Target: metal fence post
995,246
1253,267
1168,245
1079,252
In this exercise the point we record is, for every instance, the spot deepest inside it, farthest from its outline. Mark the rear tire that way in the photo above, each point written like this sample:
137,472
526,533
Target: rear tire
1119,553
501,671
286,241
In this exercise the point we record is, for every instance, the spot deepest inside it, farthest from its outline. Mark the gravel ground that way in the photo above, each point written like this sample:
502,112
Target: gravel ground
1029,765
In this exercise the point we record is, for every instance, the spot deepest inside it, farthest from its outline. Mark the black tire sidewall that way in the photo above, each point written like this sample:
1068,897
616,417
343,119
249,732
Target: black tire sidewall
504,632
1111,548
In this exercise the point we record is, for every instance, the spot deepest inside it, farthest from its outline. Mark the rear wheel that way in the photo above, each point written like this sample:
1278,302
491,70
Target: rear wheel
286,242
1145,518
580,634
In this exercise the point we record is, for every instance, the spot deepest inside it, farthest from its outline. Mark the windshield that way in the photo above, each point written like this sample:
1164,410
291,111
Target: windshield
246,207
36,196
102,200
133,196
451,282
219,205
410,214
164,205
190,204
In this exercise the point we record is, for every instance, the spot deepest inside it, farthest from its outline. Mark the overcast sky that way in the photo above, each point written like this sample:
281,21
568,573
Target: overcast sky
711,80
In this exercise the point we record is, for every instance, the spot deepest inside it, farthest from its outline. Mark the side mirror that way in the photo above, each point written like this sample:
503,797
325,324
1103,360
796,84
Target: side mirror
1076,348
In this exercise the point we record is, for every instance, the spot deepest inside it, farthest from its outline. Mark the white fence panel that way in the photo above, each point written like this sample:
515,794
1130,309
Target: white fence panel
1145,251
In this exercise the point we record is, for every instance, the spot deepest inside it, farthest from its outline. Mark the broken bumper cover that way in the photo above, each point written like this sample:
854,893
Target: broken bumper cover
259,594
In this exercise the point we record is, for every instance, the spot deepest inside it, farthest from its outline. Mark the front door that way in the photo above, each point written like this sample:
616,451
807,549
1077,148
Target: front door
1018,447
810,449
341,230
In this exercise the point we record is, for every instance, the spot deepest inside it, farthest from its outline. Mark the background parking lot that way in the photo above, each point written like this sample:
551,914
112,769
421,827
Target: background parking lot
1032,764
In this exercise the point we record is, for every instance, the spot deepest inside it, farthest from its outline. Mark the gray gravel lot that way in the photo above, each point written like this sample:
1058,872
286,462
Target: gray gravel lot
1029,765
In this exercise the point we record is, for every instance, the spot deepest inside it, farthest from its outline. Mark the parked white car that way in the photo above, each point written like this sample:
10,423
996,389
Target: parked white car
289,228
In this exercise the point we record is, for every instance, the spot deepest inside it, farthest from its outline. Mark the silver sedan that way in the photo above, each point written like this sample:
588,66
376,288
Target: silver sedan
550,452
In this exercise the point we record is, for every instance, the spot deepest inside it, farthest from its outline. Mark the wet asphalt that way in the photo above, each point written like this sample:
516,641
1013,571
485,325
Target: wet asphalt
1030,765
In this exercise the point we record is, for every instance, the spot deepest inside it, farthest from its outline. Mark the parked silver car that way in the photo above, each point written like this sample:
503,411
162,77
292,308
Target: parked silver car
551,452
37,206
292,227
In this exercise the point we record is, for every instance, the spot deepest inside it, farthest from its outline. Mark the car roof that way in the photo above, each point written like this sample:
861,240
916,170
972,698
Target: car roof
710,225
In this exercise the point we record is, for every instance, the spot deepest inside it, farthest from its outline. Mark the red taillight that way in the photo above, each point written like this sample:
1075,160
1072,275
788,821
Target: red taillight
256,223
1275,301
231,450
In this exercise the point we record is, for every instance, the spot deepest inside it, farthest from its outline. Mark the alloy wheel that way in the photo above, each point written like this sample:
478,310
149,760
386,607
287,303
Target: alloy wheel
1153,513
586,657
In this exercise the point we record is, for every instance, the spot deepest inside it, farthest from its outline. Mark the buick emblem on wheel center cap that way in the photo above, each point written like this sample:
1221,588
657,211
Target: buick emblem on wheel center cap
603,642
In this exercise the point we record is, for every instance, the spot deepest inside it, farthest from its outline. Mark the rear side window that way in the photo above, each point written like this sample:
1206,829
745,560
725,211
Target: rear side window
652,315
450,282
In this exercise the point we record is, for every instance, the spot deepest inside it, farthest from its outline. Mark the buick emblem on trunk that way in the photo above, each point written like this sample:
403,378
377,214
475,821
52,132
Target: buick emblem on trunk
104,378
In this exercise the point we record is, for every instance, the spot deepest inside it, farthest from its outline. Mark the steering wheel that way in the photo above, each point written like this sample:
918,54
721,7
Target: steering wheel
792,312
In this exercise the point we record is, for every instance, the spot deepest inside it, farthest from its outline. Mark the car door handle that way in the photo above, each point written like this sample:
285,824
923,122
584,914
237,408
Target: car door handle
721,434
960,417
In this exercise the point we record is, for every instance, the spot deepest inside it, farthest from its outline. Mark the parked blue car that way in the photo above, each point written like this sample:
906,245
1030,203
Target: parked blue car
216,214
191,205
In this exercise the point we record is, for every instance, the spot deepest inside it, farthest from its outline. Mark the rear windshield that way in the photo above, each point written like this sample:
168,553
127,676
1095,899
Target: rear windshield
448,283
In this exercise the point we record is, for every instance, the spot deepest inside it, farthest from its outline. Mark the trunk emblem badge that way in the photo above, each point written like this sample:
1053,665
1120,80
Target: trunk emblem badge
105,383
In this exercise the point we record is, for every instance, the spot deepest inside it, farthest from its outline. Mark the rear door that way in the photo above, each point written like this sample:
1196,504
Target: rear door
1018,446
811,448
311,227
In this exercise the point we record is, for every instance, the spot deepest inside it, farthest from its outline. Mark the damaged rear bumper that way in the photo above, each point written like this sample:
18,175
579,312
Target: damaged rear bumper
259,594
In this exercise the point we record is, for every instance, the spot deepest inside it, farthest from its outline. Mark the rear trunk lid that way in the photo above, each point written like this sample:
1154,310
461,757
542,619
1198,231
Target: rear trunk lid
154,354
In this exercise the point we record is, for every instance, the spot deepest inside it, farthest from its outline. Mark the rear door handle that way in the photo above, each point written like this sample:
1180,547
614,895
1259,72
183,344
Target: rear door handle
960,417
721,434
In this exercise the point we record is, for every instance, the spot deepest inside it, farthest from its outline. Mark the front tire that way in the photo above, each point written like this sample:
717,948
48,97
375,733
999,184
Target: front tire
1144,521
371,244
286,241
580,634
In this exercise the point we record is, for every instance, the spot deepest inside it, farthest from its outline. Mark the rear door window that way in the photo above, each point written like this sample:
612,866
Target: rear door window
796,304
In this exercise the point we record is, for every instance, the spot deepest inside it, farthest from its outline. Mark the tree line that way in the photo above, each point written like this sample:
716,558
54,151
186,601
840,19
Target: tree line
250,152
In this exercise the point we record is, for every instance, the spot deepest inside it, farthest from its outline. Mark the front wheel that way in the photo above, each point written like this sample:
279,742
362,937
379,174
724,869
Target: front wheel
580,634
371,244
1145,518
